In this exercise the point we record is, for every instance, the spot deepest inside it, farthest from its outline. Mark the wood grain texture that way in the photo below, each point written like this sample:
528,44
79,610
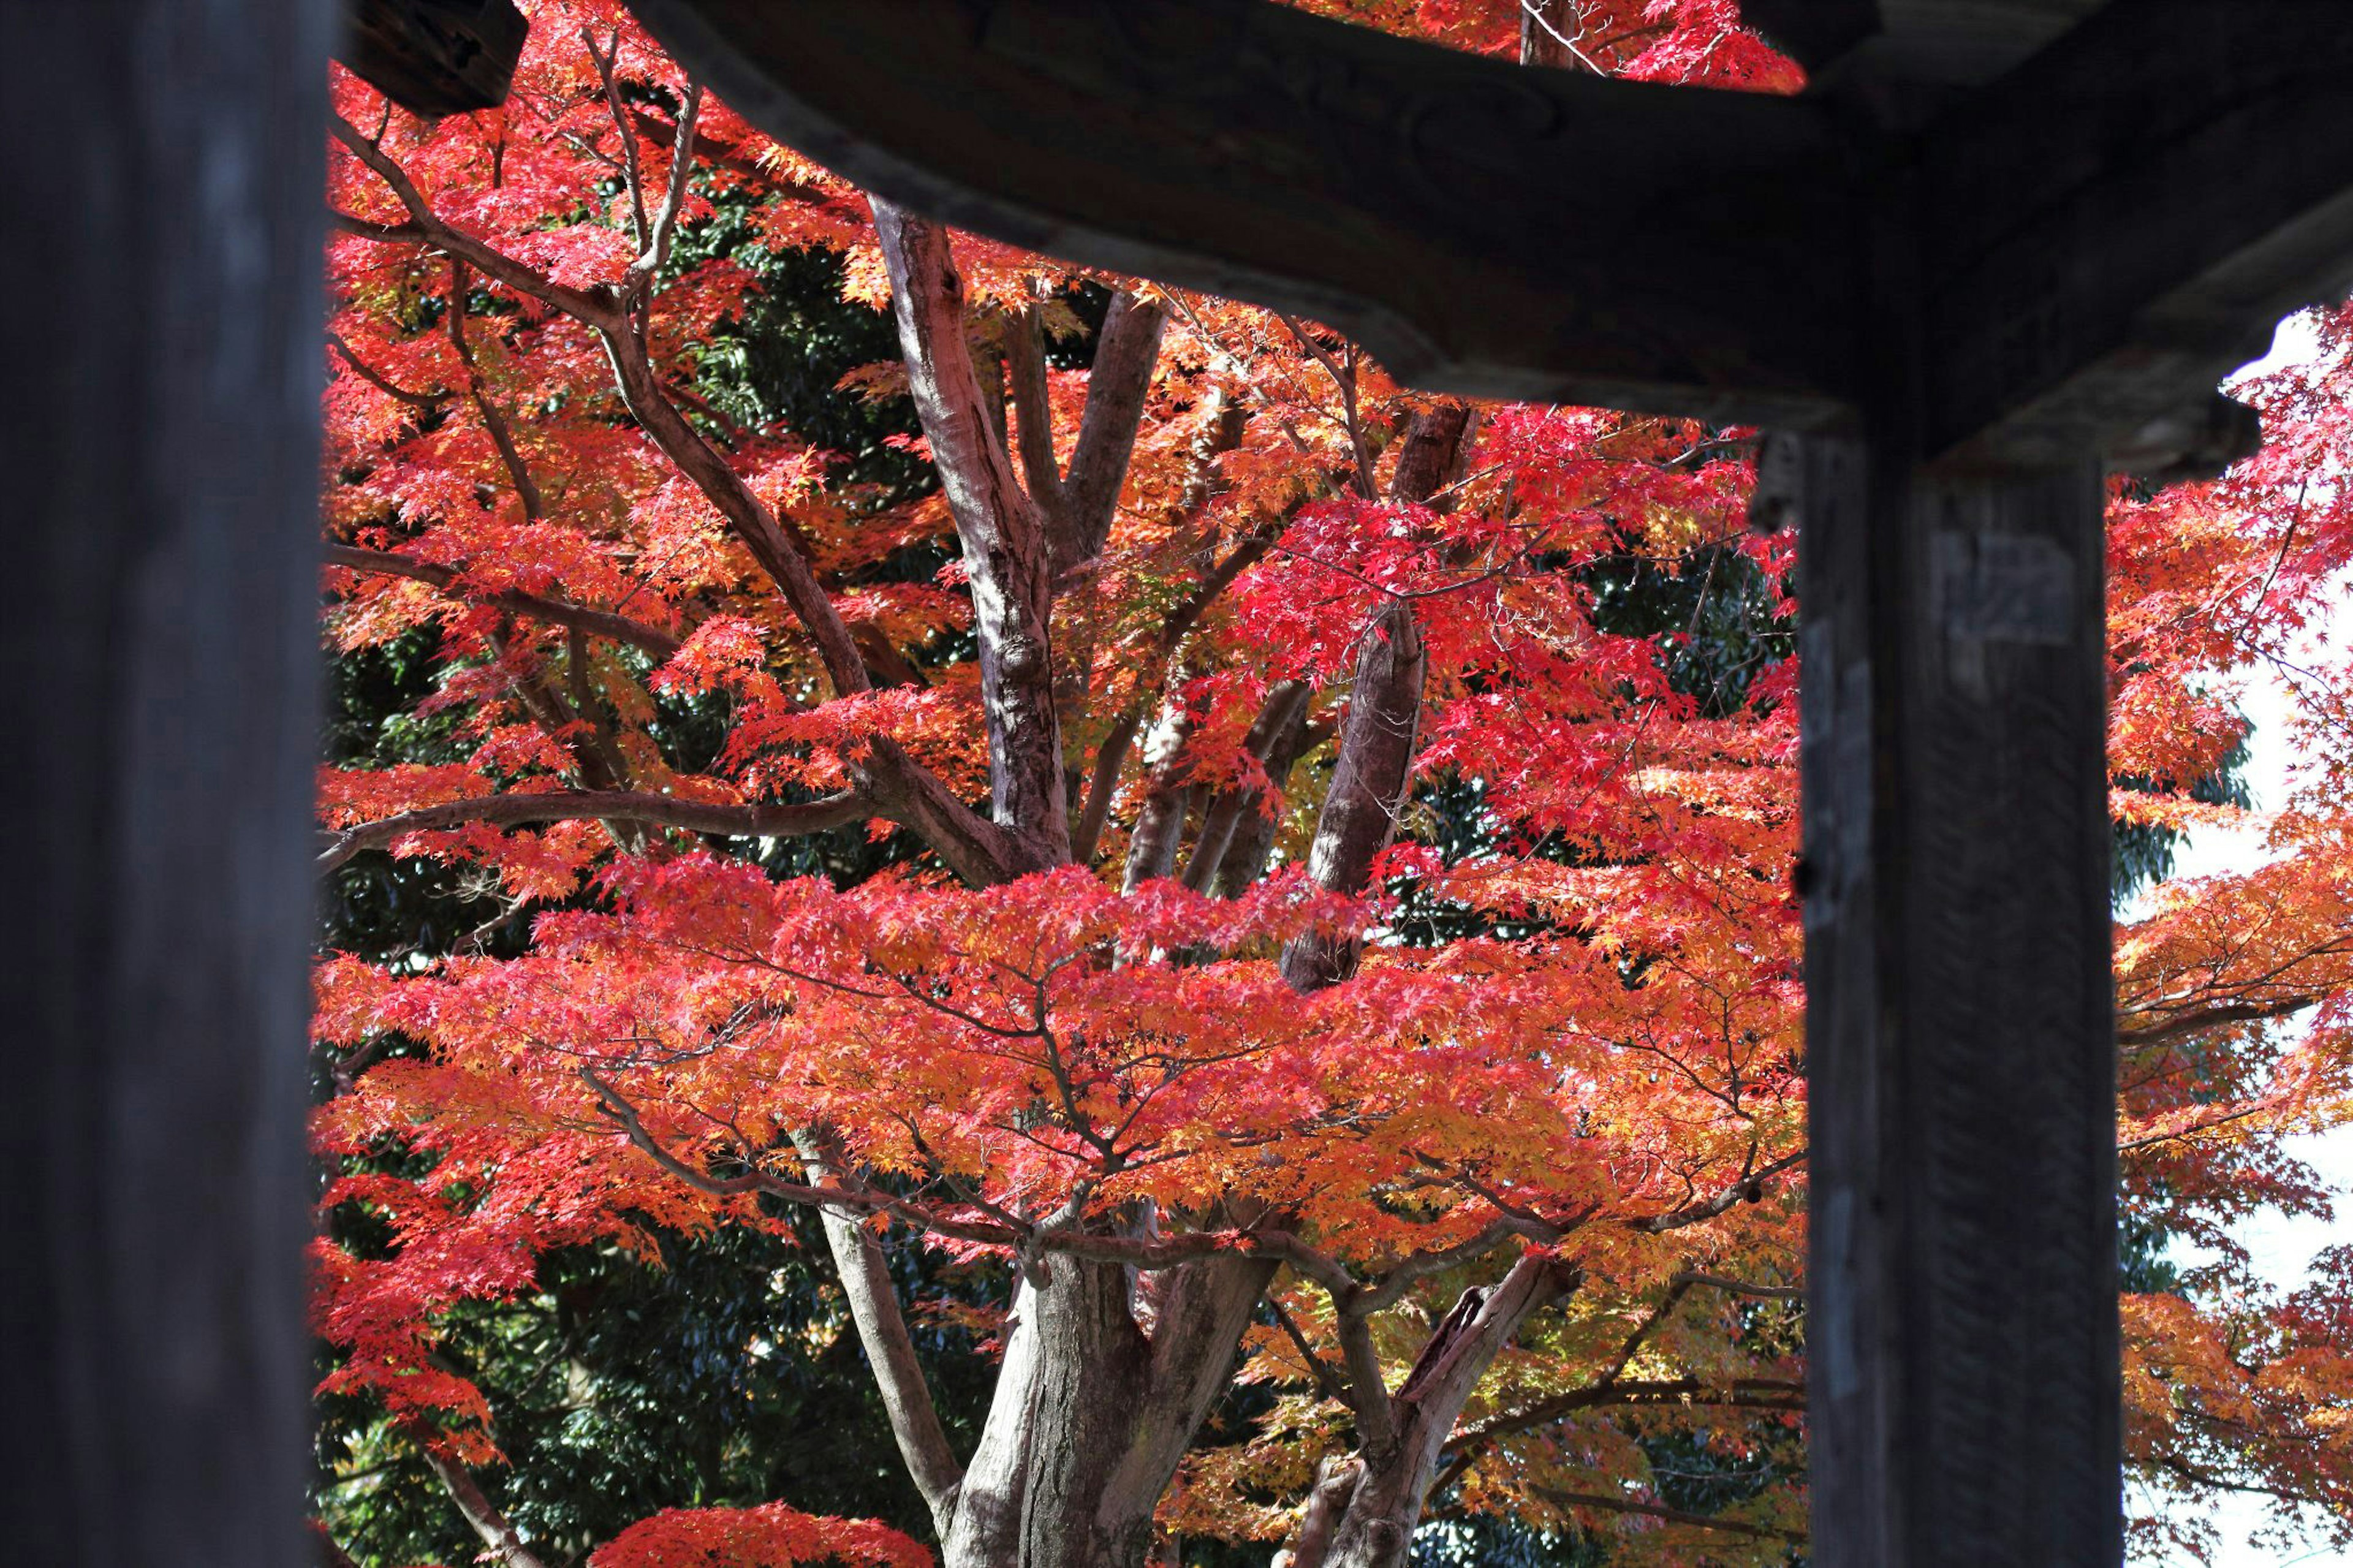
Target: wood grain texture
165,329
2113,226
1482,227
1960,1049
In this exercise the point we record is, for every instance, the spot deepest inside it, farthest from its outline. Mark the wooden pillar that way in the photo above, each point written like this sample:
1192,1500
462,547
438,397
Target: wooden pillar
1962,1332
158,713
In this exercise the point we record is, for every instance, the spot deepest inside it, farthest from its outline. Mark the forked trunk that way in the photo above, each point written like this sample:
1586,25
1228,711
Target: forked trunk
1363,1513
1091,1414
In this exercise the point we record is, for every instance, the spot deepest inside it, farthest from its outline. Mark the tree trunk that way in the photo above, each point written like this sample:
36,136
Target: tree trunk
1091,1416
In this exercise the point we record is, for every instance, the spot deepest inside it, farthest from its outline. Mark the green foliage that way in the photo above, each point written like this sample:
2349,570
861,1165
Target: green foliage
726,1374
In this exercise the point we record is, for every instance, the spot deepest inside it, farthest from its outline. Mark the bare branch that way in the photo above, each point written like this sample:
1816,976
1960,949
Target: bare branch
569,806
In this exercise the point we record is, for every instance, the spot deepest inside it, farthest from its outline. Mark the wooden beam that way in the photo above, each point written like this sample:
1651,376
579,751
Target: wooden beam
435,57
1963,1342
1813,32
163,328
2109,228
1483,228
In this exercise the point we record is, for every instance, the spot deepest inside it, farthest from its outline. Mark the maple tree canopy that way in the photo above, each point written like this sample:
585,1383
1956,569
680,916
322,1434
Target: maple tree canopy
1305,928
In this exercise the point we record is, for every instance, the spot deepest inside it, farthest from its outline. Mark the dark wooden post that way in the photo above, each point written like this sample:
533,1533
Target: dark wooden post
158,709
1963,1340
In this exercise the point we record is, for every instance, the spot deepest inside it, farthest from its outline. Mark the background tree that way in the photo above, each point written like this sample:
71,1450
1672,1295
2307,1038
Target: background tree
1277,888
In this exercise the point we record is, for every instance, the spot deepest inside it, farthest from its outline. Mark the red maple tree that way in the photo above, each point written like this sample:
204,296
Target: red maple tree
1323,947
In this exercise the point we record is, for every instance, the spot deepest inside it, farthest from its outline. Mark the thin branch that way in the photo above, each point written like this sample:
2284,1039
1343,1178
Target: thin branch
657,251
1325,1384
568,806
494,419
560,612
1658,1511
1742,1394
1749,1188
1642,1330
1741,1287
632,172
426,226
428,400
497,1532
1390,1288
865,1278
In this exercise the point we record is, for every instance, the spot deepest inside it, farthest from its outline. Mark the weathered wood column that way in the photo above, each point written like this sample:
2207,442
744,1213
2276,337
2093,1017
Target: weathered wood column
1962,1332
163,334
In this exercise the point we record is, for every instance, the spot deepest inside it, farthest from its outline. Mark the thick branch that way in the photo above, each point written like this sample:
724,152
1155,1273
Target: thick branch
568,806
1369,1389
1103,780
1368,783
1253,835
1284,709
1033,410
1160,821
2182,1024
865,1275
1005,555
1125,352
1370,777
